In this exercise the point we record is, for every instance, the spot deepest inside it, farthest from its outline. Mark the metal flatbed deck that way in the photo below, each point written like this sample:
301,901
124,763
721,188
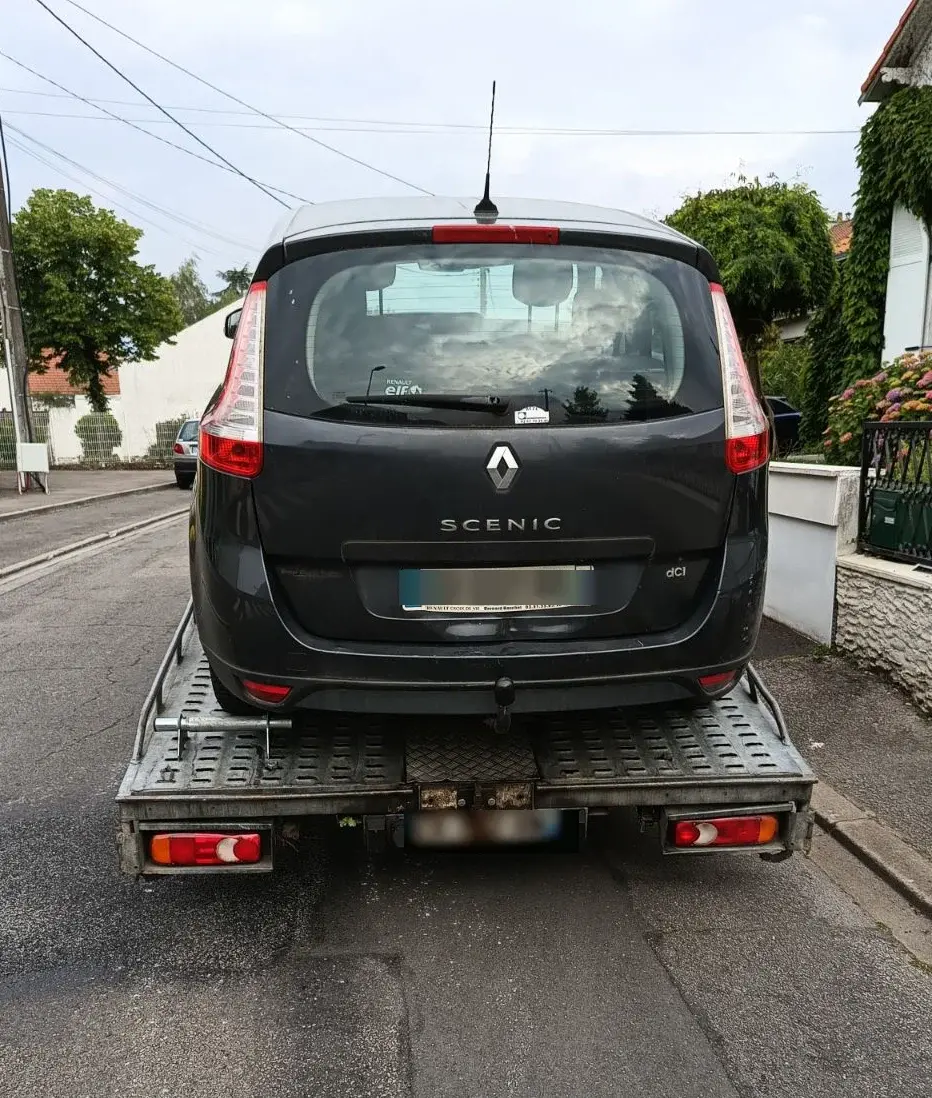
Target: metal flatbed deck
191,762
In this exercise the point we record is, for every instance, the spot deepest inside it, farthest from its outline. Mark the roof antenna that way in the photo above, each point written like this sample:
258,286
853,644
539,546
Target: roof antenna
486,210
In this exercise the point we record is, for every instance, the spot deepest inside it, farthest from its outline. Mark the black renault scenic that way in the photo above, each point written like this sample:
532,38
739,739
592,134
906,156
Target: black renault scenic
464,465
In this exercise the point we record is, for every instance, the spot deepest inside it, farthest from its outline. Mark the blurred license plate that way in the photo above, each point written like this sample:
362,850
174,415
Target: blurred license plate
459,828
495,590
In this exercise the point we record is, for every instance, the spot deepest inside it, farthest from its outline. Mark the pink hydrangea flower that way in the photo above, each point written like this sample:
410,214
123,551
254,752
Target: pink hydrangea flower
846,437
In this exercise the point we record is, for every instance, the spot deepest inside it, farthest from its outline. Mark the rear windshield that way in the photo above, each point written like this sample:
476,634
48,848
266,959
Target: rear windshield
188,432
558,336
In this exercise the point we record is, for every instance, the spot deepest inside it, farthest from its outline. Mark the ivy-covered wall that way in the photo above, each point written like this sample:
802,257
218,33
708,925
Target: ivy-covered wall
895,162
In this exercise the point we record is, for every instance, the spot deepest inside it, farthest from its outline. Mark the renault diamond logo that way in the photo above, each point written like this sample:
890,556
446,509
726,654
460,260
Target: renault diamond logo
502,468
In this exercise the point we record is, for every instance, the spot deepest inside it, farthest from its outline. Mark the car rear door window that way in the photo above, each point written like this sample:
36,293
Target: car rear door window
591,335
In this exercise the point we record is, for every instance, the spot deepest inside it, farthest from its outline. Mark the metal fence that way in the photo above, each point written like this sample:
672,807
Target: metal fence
79,437
895,516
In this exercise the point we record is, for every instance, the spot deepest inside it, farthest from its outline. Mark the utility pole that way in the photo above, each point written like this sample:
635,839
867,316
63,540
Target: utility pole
11,318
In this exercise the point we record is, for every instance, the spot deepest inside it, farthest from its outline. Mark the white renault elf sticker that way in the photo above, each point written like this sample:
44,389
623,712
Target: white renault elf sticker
533,414
399,386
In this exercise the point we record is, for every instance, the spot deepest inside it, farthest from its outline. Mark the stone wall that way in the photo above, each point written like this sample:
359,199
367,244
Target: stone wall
884,620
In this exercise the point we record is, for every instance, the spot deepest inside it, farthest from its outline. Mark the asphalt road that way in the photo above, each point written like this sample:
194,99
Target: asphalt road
27,536
609,973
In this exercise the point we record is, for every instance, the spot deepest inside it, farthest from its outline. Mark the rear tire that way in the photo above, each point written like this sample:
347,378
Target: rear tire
184,480
229,702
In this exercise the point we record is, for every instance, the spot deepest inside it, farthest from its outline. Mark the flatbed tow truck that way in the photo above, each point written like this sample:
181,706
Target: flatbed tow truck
208,792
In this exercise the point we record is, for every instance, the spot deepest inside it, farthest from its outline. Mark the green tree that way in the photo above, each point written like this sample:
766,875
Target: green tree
236,282
84,295
194,299
828,359
771,243
784,366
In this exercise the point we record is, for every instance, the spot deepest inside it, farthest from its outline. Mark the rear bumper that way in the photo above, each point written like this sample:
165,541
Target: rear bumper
244,636
185,465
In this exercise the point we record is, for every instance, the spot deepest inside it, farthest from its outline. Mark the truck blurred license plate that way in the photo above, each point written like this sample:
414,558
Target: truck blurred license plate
461,828
495,590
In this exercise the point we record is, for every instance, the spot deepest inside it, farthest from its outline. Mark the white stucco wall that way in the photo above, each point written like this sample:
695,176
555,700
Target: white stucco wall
813,519
177,382
884,620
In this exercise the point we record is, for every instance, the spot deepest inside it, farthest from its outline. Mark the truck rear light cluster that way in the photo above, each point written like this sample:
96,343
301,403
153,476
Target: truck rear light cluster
231,432
268,692
747,429
192,848
495,234
726,831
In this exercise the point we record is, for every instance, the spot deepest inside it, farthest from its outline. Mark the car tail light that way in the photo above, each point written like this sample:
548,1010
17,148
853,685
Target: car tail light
268,692
231,432
495,234
178,448
727,831
716,682
205,848
747,430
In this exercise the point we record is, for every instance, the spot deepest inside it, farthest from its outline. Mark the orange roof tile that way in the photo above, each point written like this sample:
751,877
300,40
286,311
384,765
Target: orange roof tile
840,235
55,381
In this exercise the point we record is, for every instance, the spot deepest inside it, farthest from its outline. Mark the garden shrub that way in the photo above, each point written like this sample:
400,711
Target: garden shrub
100,435
900,391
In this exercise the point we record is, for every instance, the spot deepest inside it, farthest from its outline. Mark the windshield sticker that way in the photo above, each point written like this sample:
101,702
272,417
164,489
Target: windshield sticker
532,414
398,386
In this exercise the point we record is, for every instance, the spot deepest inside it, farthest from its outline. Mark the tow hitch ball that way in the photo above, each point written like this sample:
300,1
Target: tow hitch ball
504,700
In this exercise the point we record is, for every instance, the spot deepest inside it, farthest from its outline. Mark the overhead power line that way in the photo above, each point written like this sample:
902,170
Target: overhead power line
39,158
341,124
241,102
58,19
165,211
440,129
135,125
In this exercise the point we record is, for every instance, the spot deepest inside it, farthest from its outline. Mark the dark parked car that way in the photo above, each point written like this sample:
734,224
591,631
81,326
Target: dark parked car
461,466
184,453
786,421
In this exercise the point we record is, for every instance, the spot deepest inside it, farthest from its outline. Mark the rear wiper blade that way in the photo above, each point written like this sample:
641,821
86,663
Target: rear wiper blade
496,405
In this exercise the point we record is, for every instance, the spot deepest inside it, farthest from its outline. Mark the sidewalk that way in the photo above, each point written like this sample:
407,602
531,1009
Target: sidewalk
68,486
858,733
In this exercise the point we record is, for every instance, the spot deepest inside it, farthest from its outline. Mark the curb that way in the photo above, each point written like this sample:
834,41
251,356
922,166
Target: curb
879,847
5,516
86,543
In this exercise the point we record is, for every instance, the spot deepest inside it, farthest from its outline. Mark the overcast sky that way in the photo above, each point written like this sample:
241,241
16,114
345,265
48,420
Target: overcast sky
414,80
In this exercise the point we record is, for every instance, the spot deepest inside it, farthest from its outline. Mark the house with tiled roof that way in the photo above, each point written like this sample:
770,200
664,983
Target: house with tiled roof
905,62
54,382
840,232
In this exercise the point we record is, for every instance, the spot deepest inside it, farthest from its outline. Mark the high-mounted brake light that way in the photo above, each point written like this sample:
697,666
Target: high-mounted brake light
268,692
727,831
747,430
495,234
231,433
205,848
